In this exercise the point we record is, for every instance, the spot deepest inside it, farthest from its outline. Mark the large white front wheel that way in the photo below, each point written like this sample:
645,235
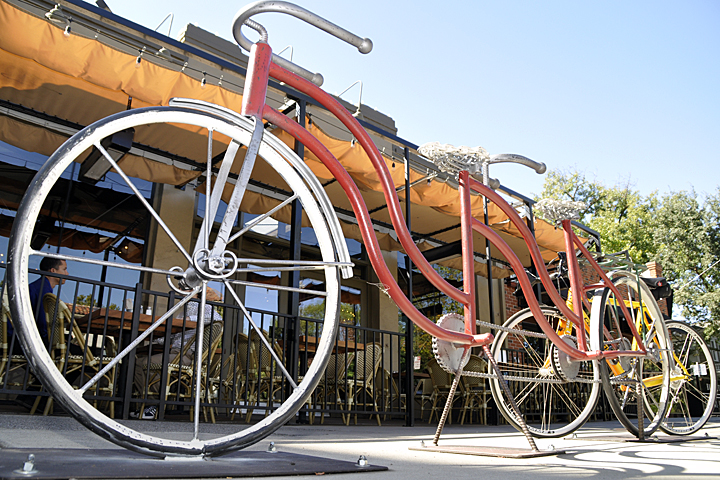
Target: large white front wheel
210,135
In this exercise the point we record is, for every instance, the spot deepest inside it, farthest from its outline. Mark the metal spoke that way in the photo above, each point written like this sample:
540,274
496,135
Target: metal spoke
199,331
137,341
277,287
93,261
260,334
145,203
262,217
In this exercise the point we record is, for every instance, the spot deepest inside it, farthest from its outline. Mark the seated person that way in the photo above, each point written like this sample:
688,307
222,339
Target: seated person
177,342
38,289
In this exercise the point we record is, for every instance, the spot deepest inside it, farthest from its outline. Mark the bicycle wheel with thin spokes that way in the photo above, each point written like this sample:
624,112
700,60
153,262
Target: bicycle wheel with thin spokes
210,135
552,404
693,383
632,380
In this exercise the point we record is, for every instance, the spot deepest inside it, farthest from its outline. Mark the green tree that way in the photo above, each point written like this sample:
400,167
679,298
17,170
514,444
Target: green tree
677,229
687,236
317,311
622,216
90,301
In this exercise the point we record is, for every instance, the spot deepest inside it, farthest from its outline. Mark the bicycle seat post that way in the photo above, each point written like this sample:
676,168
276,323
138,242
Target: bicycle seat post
255,91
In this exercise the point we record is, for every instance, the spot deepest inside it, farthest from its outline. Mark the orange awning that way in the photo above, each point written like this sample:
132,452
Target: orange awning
81,80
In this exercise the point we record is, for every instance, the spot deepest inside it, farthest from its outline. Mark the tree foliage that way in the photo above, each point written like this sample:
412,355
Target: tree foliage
687,237
620,214
677,229
89,300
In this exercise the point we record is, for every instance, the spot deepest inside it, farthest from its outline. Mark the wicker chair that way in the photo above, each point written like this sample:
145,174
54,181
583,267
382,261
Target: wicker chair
86,365
391,396
332,382
179,382
267,375
474,391
10,365
442,381
240,387
361,389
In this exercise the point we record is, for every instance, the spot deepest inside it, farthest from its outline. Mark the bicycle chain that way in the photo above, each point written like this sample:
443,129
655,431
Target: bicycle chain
468,373
509,330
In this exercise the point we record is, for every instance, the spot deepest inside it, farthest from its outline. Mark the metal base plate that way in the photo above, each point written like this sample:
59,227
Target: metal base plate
653,439
57,463
489,451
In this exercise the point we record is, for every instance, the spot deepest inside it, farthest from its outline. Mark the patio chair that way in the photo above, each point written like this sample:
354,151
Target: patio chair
269,376
361,389
212,383
241,384
474,391
391,396
83,366
441,381
332,383
12,366
179,382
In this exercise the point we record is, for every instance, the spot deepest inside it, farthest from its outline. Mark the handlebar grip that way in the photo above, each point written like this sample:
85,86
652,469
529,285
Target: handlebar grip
364,45
515,158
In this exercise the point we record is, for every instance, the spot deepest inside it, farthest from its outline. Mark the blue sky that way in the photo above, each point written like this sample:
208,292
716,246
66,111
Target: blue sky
623,91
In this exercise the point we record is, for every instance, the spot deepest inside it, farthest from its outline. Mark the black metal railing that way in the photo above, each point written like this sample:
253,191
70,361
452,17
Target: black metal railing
240,375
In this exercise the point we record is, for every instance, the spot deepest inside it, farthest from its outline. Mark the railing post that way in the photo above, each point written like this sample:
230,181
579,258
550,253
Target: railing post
130,373
292,349
166,359
409,327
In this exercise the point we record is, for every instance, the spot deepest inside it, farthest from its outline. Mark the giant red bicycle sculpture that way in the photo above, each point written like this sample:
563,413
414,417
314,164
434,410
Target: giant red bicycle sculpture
579,343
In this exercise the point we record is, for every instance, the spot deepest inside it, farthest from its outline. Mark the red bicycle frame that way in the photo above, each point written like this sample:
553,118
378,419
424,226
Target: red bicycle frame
254,102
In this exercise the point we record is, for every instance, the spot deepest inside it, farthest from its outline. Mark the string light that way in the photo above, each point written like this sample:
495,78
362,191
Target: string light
203,82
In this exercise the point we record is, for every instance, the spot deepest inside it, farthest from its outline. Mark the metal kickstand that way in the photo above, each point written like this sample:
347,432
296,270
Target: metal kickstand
640,411
448,405
493,451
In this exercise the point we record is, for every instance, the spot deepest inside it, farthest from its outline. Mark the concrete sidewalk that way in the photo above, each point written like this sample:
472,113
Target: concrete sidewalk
586,456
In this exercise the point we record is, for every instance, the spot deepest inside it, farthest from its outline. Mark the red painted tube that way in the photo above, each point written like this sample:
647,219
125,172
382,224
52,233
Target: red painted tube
468,255
614,289
253,100
532,247
391,198
368,234
533,304
575,284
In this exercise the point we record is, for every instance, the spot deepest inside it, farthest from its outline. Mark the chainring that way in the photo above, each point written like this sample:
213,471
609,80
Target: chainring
564,366
450,358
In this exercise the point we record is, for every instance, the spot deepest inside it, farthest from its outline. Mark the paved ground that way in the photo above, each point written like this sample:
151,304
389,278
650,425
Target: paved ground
388,445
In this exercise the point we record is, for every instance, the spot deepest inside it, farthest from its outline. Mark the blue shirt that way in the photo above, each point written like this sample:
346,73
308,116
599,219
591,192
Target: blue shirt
37,290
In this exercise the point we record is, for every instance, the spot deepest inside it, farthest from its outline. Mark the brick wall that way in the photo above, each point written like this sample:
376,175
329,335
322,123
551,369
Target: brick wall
512,304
